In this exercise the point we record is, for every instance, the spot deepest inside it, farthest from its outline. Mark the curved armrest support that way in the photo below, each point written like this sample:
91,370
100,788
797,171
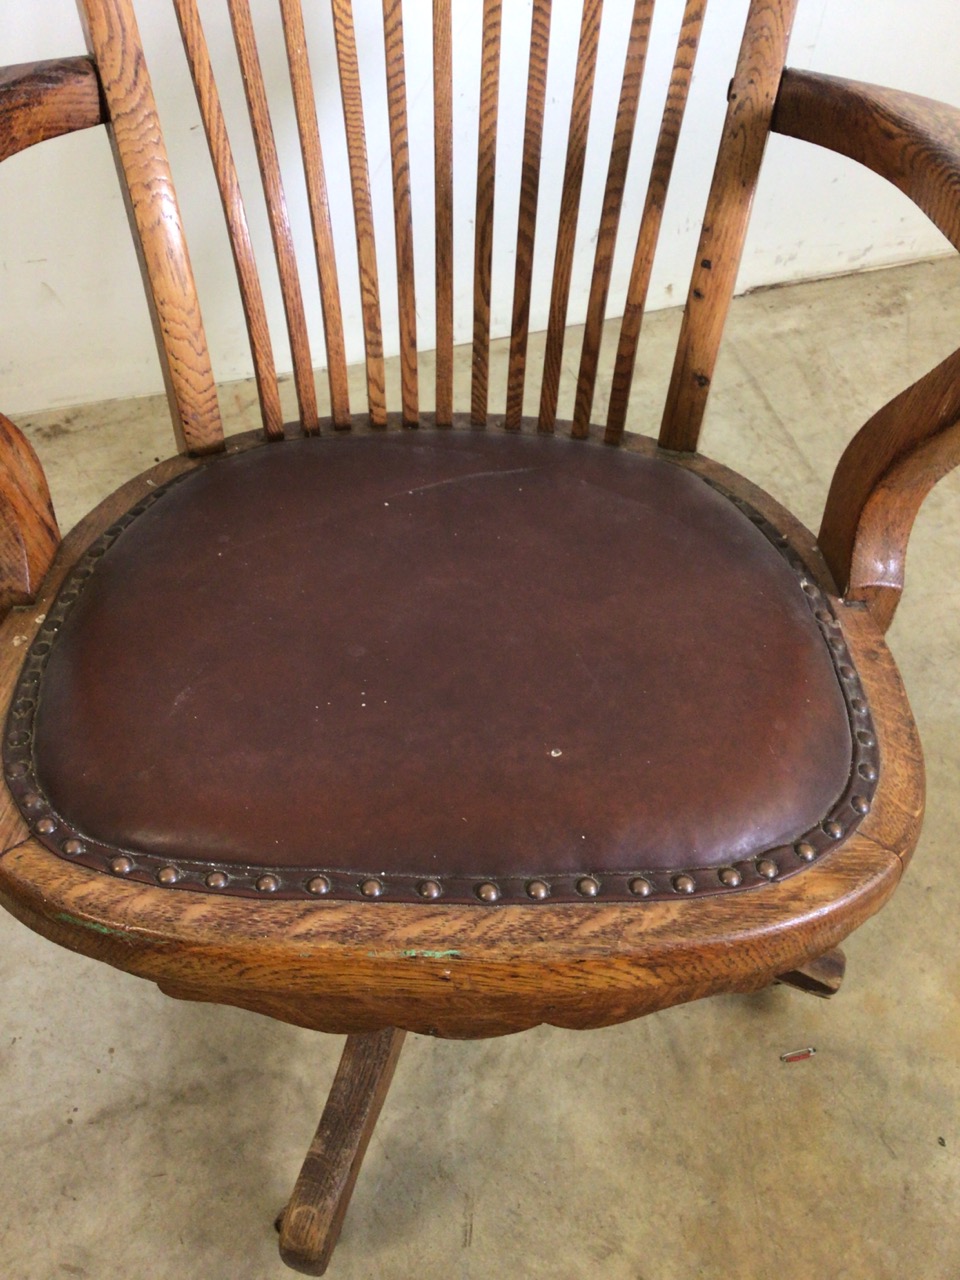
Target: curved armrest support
40,100
29,536
896,458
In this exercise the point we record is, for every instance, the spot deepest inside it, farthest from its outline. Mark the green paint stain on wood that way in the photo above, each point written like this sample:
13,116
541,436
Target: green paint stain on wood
91,924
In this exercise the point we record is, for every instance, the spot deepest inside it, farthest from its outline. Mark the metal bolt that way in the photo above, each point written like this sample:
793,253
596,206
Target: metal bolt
318,885
121,865
168,875
487,892
538,890
371,888
640,887
588,887
768,869
684,884
216,880
268,884
730,876
806,851
430,889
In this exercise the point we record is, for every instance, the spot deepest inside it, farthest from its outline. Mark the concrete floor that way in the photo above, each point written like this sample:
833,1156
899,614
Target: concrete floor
141,1137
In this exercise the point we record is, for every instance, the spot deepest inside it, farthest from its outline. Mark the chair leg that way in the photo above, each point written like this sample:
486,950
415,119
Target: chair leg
821,977
310,1224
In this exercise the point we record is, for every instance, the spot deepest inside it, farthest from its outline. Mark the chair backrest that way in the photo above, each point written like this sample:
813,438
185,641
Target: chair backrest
138,141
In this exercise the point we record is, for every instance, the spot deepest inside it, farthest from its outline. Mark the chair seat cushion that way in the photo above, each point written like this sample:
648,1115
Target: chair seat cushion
443,665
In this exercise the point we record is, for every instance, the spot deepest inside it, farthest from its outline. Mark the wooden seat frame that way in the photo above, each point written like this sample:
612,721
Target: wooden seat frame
376,971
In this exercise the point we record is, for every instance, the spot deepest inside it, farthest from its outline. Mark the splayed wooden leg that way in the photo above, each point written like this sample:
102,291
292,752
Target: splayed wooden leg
821,977
310,1224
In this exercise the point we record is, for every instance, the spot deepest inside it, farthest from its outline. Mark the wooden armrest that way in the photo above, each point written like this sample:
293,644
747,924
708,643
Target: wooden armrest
896,458
29,536
40,100
911,141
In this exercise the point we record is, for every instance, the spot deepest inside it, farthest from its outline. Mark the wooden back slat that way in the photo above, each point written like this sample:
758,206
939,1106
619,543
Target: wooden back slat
443,205
610,216
403,217
221,154
527,217
305,105
113,39
752,95
349,72
256,93
649,234
483,235
569,210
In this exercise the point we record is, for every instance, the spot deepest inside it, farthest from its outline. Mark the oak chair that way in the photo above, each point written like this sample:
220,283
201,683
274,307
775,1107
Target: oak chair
462,720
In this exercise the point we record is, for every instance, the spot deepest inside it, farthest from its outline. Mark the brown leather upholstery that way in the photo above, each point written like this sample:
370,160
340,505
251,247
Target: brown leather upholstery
442,654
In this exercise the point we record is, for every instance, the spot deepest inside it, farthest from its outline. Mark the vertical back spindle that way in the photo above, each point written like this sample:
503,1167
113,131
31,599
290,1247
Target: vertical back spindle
402,216
753,92
362,207
246,43
305,105
666,150
569,210
483,238
443,205
610,215
527,217
110,27
228,183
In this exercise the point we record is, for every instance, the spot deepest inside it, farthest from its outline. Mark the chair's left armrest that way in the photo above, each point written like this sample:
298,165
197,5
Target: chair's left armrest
29,536
893,462
40,100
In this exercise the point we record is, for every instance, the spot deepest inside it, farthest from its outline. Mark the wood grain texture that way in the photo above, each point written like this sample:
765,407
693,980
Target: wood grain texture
29,536
40,100
259,111
402,212
649,234
311,1222
911,141
113,38
483,222
473,971
228,184
527,214
750,104
569,211
884,474
443,205
305,105
610,214
362,207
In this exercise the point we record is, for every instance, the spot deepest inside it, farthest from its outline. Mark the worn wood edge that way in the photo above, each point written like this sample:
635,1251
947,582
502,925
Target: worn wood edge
42,100
465,971
912,141
29,535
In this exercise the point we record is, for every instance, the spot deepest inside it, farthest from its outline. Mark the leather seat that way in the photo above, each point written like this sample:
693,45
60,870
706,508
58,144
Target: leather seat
452,665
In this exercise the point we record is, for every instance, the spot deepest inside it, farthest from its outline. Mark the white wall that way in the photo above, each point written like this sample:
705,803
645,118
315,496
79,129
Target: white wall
73,324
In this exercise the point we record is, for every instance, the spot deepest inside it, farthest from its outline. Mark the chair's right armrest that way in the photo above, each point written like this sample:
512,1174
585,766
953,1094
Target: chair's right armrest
29,536
40,100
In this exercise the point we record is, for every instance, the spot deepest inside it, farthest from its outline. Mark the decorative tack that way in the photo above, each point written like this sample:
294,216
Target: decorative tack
216,880
865,738
319,885
168,875
684,883
17,769
73,847
31,800
847,673
860,804
838,645
588,887
805,850
430,889
868,771
859,706
823,615
810,588
640,888
46,826
538,890
729,876
487,892
268,884
371,888
833,829
767,868
122,865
